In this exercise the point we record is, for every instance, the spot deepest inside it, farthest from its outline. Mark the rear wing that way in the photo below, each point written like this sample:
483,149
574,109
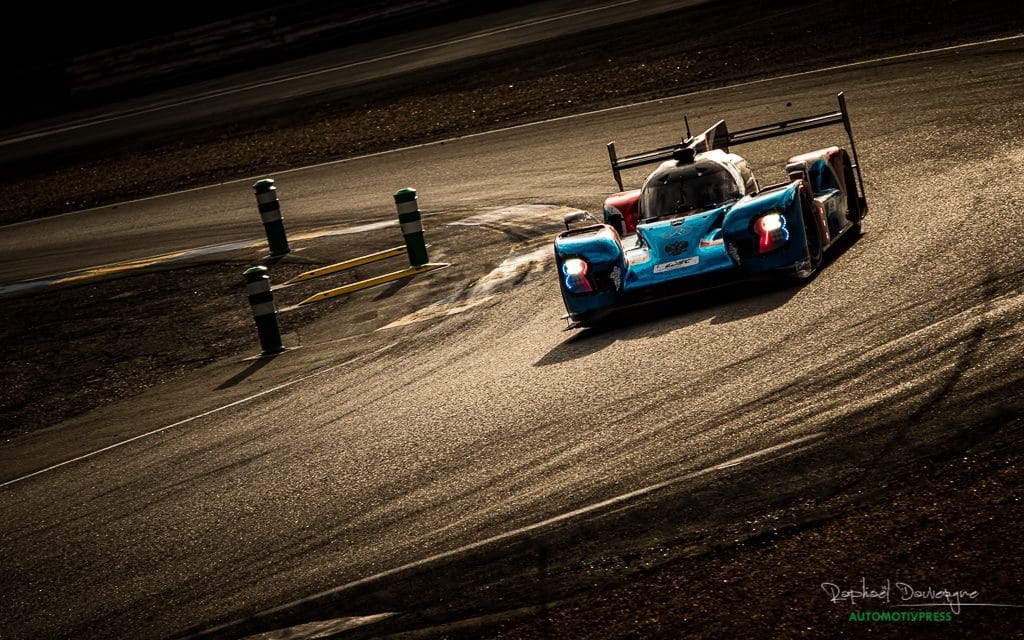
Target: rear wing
719,137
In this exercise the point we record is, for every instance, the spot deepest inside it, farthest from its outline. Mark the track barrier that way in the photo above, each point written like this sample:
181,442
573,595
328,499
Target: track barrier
270,212
412,228
261,298
409,218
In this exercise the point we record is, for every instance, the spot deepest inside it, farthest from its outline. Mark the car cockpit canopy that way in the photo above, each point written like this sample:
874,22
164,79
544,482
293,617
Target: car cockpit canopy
678,188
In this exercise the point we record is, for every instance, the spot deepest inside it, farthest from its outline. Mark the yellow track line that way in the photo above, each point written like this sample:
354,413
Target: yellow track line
348,264
114,268
372,282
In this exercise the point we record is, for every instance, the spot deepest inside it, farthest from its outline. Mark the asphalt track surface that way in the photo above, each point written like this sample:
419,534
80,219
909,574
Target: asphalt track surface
493,426
284,83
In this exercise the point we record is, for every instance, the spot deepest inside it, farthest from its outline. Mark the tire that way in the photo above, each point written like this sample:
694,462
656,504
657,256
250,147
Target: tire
812,256
853,209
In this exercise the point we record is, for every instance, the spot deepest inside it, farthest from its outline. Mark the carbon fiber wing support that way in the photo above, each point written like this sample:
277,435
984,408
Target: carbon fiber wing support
719,137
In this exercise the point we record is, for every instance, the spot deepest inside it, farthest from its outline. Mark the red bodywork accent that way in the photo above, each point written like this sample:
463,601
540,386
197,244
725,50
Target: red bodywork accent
628,204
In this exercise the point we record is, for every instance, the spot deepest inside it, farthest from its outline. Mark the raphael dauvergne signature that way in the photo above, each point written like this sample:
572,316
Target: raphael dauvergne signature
903,594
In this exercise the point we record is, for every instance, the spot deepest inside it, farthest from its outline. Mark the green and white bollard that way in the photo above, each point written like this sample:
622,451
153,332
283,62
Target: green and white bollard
412,228
270,212
257,285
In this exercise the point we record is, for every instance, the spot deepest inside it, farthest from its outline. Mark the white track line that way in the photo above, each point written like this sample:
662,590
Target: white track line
299,76
690,94
196,417
517,532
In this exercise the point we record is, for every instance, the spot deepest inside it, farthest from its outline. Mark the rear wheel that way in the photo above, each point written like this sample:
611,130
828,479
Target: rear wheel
854,207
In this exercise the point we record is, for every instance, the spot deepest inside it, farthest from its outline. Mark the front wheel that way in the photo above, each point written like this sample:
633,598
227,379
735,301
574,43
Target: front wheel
809,263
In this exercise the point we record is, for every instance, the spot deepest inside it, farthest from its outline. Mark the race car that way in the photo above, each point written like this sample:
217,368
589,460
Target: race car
701,220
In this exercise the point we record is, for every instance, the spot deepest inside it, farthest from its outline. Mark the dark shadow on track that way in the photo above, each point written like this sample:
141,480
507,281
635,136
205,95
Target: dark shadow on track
392,289
729,304
253,367
682,526
719,306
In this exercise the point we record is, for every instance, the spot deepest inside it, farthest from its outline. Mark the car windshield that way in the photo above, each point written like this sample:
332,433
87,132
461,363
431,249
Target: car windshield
691,188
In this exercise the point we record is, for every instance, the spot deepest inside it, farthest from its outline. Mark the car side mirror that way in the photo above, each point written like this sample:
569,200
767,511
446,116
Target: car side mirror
577,217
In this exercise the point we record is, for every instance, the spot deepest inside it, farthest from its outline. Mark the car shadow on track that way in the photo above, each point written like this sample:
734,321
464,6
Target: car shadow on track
719,306
655,318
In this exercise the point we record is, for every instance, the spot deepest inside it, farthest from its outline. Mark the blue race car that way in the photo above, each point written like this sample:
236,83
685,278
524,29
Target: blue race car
701,220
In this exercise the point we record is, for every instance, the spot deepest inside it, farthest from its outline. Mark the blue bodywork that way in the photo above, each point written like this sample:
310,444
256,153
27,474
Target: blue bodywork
700,219
706,247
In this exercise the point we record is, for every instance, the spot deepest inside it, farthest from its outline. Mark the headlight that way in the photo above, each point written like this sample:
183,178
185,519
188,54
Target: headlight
771,231
769,223
575,271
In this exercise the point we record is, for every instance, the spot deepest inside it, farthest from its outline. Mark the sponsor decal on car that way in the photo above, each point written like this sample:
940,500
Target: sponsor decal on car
616,277
676,264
